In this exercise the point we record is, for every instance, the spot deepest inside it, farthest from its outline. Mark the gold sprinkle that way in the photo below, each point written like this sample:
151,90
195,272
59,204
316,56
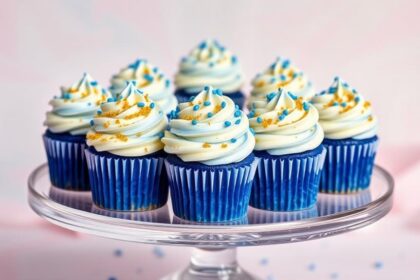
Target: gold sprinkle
121,137
206,145
224,145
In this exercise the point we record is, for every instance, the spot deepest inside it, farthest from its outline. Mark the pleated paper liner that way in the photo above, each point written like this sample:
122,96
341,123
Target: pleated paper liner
348,165
127,183
66,161
287,182
204,193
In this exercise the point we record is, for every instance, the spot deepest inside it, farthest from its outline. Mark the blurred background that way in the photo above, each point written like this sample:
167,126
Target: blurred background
373,45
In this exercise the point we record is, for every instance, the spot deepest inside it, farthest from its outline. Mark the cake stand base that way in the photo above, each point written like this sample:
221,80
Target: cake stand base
212,264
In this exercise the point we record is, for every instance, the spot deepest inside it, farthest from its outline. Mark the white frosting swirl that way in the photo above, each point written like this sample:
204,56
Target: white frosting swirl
150,80
285,124
210,129
73,110
209,64
131,126
344,113
281,74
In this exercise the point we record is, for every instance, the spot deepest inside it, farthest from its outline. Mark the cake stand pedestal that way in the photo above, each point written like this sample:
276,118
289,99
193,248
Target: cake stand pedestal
214,255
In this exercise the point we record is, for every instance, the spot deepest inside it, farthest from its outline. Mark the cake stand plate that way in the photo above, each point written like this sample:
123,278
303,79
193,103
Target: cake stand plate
214,255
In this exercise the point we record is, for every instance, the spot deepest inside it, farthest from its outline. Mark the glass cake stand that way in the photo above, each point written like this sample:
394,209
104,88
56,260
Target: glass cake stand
214,255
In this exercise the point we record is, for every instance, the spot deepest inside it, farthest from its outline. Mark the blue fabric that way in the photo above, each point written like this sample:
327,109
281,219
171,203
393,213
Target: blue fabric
127,183
287,182
237,97
66,160
348,165
204,193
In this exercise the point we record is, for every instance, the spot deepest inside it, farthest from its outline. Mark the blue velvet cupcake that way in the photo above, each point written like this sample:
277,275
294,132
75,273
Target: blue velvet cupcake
281,74
125,156
350,138
288,144
211,166
67,124
150,80
210,64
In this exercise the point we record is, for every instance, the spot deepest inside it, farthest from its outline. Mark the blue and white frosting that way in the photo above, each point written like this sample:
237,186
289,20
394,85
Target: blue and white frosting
209,64
150,80
344,113
130,126
209,129
285,124
75,107
281,74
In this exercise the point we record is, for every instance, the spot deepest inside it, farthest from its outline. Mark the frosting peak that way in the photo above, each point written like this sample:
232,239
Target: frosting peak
149,79
209,129
285,124
130,125
281,74
75,107
209,64
344,113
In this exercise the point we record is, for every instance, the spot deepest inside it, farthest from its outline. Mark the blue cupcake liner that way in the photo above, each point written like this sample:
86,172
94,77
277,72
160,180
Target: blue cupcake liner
66,161
348,165
287,182
329,204
210,194
127,183
238,97
258,216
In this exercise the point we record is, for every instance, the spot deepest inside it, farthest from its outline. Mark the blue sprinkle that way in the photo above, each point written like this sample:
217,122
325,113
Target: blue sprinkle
167,83
118,253
89,104
177,109
136,64
66,96
206,88
343,104
259,120
155,70
227,123
233,140
161,134
140,104
251,114
236,107
378,265
211,64
357,99
295,75
191,98
281,117
223,104
194,122
202,45
238,121
305,106
332,90
94,83
285,64
335,104
285,112
148,77
354,91
207,103
209,114
152,105
270,96
237,113
158,252
336,78
196,107
252,130
103,91
322,92
92,123
283,77
272,80
218,91
99,112
234,59
110,99
294,97
346,85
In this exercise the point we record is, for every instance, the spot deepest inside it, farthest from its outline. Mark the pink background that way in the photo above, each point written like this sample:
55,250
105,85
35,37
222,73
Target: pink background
374,45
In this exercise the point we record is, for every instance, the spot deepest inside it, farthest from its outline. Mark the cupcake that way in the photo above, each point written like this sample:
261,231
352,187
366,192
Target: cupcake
210,163
67,124
125,155
210,64
350,138
150,80
288,144
281,74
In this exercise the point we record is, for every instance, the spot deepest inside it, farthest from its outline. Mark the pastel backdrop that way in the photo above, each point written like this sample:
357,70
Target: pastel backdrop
374,45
